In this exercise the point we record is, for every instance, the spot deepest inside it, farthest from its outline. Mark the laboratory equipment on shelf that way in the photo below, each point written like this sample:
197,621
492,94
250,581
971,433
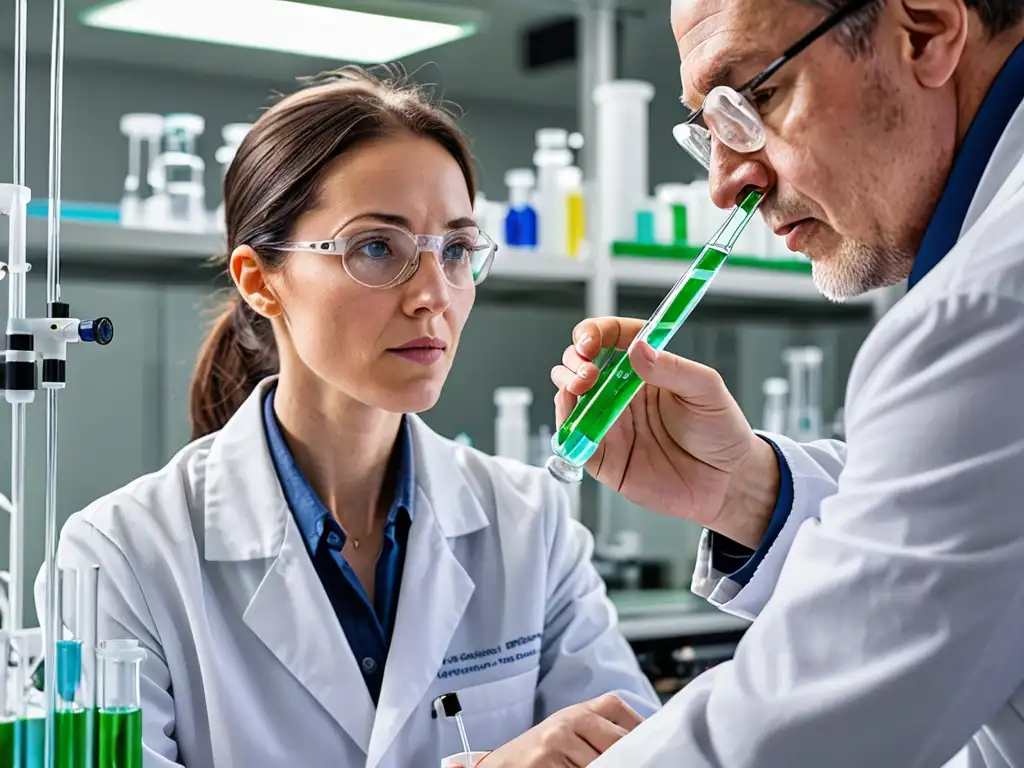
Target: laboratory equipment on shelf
594,414
521,220
670,215
512,423
621,155
119,718
141,128
551,158
773,418
178,201
571,185
233,135
805,417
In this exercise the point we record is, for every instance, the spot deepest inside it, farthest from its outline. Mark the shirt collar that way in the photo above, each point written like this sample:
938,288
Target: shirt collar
309,512
994,115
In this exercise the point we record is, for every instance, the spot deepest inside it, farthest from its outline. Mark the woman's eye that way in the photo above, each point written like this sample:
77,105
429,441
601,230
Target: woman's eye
456,251
377,249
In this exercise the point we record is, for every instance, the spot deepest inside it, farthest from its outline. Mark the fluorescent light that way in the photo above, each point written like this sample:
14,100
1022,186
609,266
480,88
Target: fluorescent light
280,25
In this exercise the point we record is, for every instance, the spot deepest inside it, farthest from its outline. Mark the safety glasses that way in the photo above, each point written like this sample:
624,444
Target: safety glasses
730,115
384,257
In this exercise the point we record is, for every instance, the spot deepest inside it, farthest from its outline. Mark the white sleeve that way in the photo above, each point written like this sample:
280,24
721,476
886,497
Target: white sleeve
894,631
583,653
813,470
122,614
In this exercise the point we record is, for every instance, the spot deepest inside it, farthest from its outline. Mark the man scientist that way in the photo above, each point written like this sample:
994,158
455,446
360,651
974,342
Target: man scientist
885,575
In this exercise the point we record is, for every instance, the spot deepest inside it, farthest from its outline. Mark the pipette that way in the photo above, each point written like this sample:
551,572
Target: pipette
617,383
448,705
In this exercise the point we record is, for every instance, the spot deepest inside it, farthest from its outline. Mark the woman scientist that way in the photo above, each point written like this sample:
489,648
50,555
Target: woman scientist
318,565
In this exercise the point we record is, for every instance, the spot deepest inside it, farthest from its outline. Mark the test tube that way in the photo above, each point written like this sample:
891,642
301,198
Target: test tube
70,719
8,708
119,721
577,439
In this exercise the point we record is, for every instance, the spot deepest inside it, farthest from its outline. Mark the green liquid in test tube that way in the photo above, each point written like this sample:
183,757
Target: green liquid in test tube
577,439
119,720
120,738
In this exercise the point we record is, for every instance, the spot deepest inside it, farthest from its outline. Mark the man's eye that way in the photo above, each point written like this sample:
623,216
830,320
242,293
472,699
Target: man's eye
762,98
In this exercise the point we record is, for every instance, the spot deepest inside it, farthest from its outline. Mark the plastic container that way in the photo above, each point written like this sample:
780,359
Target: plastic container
701,218
551,158
671,213
622,155
177,177
512,424
454,761
142,129
233,135
804,423
521,220
571,182
776,406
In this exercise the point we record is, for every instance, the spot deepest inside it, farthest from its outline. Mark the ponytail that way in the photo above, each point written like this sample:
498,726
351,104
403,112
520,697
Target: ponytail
238,353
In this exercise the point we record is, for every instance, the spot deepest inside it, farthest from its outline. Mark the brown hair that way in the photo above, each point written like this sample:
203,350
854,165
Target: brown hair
274,178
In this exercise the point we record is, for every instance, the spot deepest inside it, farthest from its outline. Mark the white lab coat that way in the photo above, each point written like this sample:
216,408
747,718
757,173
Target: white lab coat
248,665
889,627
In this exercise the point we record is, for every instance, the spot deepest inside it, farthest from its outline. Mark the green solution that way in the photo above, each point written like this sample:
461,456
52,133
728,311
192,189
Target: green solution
71,728
8,735
577,439
120,738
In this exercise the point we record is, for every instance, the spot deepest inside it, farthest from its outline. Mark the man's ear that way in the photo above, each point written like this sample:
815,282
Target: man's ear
247,272
935,34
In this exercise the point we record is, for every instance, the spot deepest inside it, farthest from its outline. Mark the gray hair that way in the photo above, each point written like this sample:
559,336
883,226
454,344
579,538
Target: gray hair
855,33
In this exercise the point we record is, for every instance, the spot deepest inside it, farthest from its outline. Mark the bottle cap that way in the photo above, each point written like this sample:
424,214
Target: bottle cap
447,705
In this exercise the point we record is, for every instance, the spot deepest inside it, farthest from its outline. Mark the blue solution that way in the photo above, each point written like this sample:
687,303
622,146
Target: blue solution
521,227
30,742
645,226
75,211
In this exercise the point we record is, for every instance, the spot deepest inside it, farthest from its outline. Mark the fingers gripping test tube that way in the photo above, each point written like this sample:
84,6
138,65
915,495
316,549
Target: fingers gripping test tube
617,383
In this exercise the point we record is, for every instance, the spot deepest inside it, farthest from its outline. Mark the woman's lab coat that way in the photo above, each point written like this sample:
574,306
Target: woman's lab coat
248,666
889,627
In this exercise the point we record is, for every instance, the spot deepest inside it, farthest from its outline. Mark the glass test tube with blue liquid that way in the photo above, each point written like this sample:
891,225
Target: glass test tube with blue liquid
577,439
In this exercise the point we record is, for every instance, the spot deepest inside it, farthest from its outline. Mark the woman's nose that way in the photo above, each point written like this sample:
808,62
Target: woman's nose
733,174
428,290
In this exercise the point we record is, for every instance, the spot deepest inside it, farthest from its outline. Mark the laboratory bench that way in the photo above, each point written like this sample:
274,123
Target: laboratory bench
652,617
675,634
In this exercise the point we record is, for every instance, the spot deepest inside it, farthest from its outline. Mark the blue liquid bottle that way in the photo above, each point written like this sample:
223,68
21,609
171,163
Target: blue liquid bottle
521,221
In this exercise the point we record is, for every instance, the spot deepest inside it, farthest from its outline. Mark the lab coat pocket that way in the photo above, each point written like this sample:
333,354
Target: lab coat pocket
495,712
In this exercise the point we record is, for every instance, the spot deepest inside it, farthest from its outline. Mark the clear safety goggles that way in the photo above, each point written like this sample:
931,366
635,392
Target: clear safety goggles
730,115
384,257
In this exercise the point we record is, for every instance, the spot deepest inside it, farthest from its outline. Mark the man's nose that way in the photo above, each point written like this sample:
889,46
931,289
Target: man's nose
732,175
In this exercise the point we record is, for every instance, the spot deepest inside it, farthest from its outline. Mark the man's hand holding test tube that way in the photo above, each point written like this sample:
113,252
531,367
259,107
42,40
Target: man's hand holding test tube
676,442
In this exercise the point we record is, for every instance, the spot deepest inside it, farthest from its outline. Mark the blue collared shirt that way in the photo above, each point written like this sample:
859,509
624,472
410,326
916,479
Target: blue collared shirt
367,625
997,109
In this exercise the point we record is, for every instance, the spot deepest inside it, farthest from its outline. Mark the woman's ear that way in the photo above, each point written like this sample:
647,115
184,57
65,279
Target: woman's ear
246,271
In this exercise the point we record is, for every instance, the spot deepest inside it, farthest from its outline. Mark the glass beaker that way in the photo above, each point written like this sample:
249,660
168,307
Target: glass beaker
805,420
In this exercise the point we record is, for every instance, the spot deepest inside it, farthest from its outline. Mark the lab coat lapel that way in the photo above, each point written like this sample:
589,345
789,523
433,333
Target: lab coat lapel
247,520
435,587
292,615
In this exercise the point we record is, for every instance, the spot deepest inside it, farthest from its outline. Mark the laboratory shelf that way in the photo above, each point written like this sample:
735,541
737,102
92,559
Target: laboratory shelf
690,252
99,242
668,614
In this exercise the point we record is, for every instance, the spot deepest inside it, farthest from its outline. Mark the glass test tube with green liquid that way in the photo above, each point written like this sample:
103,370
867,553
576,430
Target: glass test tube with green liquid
70,718
119,720
577,439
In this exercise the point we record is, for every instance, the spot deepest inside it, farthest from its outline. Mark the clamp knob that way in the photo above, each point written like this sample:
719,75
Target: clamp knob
100,330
